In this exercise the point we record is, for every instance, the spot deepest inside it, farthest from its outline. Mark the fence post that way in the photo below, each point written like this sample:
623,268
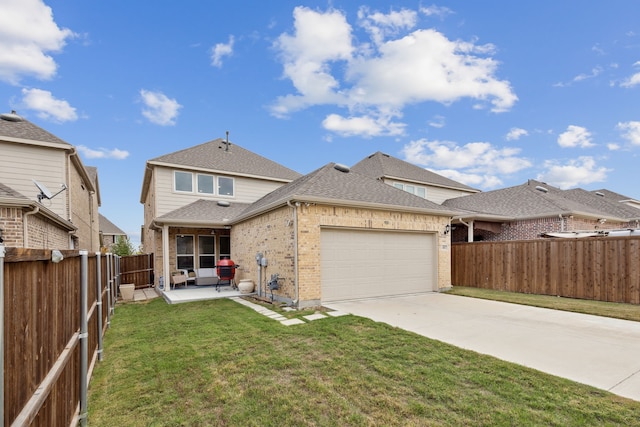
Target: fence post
99,302
108,267
1,334
84,335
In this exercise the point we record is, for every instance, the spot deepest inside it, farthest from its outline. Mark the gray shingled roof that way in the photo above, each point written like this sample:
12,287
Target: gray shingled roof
7,192
204,211
24,129
331,185
379,165
612,195
107,227
526,201
215,156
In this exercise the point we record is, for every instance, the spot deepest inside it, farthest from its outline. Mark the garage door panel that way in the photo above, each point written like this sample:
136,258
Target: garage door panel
363,264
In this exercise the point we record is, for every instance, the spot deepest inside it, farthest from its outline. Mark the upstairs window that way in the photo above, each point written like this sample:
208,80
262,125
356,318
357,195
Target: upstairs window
205,184
225,186
413,189
183,181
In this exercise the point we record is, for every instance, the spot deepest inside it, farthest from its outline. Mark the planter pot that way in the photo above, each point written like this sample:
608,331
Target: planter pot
245,286
126,291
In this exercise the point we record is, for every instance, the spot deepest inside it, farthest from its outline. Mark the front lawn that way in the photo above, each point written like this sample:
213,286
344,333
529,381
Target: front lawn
220,363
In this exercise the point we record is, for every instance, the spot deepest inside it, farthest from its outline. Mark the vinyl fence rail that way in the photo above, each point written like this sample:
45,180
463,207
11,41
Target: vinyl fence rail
52,328
597,268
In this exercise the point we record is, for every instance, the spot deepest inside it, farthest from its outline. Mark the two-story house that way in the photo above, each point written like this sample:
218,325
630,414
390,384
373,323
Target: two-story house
49,198
109,233
191,195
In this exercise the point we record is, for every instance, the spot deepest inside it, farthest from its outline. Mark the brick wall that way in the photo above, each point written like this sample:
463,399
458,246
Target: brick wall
42,233
84,213
533,228
272,235
11,225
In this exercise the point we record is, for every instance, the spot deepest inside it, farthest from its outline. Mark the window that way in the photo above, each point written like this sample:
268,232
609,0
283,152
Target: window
183,181
184,252
205,184
225,186
418,191
207,251
225,247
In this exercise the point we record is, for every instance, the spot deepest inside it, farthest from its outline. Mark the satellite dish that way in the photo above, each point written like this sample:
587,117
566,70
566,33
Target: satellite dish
44,191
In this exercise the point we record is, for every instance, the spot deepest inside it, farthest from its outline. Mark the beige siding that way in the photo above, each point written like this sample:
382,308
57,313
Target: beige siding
247,190
20,163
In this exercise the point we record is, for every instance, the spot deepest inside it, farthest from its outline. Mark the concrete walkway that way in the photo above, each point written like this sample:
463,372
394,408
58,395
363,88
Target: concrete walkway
593,350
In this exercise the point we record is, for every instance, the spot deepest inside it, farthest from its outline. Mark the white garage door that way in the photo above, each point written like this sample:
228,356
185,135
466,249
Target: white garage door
364,264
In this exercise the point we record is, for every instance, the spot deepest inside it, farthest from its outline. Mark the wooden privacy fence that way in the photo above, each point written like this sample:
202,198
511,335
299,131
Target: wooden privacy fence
137,269
597,268
54,315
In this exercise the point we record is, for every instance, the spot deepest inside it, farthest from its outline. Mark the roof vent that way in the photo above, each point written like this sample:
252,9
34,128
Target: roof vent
11,117
598,193
224,203
341,168
541,188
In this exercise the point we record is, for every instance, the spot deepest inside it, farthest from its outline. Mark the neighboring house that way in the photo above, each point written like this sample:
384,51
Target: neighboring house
616,197
335,234
109,232
25,223
191,195
411,178
534,210
30,153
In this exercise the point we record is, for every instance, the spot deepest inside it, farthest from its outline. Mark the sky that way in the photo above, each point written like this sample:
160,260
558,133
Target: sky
489,93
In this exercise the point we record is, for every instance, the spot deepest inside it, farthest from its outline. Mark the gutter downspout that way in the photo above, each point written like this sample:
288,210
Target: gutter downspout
1,334
295,248
25,231
561,223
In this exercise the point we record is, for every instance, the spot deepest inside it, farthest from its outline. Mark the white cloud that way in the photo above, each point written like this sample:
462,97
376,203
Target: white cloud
160,109
516,133
630,131
470,161
633,80
370,79
221,50
364,126
47,107
575,136
434,10
28,34
437,122
103,153
612,146
574,173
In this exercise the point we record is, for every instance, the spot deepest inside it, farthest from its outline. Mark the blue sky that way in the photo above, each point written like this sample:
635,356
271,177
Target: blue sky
487,93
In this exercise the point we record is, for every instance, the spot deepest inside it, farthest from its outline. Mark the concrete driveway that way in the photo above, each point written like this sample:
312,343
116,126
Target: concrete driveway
598,351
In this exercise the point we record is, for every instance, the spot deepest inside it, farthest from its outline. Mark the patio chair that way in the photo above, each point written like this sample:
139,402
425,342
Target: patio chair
178,279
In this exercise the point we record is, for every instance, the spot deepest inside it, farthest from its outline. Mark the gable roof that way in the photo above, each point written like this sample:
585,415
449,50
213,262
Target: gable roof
381,165
535,199
202,213
617,197
107,227
337,185
225,157
17,129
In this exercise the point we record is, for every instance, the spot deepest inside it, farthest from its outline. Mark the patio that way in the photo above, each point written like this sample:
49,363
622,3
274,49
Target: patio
199,293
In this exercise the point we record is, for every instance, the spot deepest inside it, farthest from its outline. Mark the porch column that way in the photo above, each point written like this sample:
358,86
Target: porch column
470,231
165,258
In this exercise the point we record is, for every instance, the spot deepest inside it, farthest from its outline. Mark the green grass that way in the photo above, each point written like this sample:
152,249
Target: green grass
598,308
219,363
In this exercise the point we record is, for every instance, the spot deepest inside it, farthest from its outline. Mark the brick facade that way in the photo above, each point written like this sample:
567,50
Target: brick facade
533,228
272,234
42,233
84,213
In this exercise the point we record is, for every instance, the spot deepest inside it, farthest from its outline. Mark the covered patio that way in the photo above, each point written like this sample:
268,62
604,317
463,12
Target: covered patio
192,293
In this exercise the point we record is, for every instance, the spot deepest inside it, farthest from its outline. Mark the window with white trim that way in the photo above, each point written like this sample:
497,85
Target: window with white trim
225,186
183,181
205,184
413,189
